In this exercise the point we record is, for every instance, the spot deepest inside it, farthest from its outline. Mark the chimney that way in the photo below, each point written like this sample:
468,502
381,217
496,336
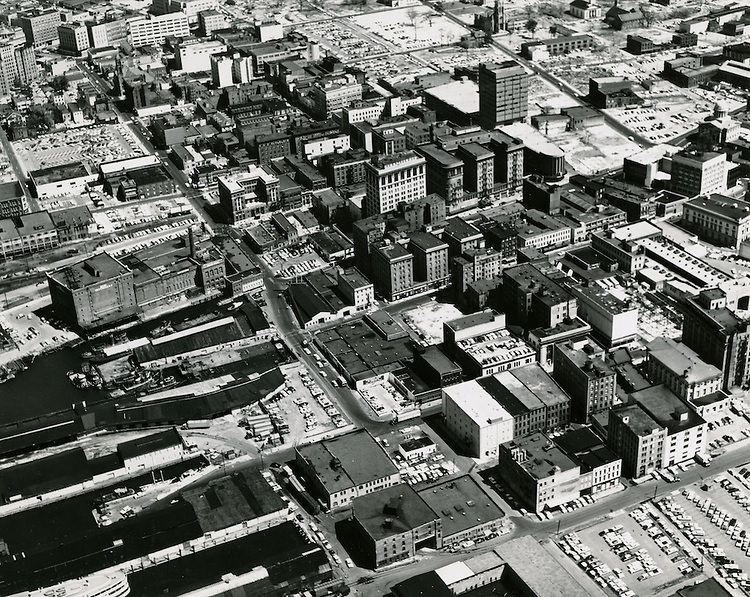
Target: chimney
191,242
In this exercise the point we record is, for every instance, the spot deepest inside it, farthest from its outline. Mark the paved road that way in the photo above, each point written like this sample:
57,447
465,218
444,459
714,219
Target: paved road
18,170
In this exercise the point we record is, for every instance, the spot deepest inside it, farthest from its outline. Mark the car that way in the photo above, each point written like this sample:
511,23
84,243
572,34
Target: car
275,465
349,563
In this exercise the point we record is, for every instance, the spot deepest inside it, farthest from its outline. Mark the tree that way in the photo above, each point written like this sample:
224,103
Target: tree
649,16
59,83
531,26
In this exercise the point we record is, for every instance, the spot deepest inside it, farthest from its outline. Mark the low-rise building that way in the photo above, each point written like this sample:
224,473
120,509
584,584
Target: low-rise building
27,234
346,467
681,370
718,220
151,451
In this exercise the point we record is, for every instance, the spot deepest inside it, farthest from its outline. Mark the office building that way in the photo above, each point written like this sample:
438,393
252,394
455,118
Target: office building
509,159
194,56
655,429
107,33
546,472
330,97
393,524
581,371
430,258
503,93
346,467
17,61
392,270
615,321
152,30
699,173
40,26
26,234
680,369
211,20
532,300
718,220
390,180
462,236
718,336
477,421
74,38
445,173
246,196
479,167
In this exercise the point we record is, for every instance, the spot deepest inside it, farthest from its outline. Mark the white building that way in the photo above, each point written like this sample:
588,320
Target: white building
319,147
391,179
681,369
475,419
195,56
151,30
152,451
696,173
221,70
615,321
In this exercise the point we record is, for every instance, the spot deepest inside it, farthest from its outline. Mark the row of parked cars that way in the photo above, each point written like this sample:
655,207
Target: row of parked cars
599,572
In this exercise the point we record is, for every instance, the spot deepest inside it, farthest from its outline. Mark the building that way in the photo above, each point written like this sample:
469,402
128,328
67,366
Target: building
390,180
681,370
475,419
614,321
445,173
346,467
556,46
392,270
393,524
509,159
582,9
539,472
194,56
503,93
466,511
151,451
74,38
17,60
479,167
93,292
26,234
541,156
461,236
40,26
330,97
581,371
533,300
612,92
57,181
456,101
699,173
718,336
719,220
519,567
12,199
654,430
246,196
100,584
430,258
152,30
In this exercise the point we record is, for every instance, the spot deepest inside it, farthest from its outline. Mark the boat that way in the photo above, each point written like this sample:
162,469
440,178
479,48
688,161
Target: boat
78,379
99,356
162,330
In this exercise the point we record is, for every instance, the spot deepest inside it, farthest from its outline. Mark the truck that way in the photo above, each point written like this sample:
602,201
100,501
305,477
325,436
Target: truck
197,424
703,459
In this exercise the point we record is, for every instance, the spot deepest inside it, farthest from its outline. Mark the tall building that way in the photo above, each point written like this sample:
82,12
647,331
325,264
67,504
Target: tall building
445,173
211,20
508,167
17,60
74,38
152,30
40,26
194,56
533,300
221,70
580,370
699,173
718,336
389,180
392,270
107,33
681,370
479,167
503,93
430,258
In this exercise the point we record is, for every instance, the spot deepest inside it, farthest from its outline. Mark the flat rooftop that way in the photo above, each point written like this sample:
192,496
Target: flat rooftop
667,409
392,511
477,403
461,503
93,270
543,458
681,360
360,460
495,347
462,95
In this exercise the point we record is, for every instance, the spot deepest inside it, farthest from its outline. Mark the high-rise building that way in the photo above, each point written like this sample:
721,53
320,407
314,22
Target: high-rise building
152,30
107,33
503,93
194,56
211,20
40,26
392,270
17,60
445,173
508,159
719,220
699,173
248,195
479,167
74,38
430,258
389,180
221,70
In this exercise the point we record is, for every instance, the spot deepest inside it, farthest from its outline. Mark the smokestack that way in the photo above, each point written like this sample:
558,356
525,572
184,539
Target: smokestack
191,242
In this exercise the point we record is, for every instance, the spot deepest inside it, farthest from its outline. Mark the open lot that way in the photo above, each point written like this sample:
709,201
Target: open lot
91,145
294,261
447,59
342,40
427,320
411,28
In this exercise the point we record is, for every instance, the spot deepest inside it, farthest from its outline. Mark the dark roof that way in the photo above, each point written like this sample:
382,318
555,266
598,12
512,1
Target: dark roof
150,443
10,190
708,588
44,474
428,584
392,511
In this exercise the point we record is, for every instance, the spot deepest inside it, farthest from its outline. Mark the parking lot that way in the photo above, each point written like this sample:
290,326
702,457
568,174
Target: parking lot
411,28
714,515
631,554
293,261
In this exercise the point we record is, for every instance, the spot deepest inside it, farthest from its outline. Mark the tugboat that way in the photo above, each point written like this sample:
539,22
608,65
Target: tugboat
78,380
